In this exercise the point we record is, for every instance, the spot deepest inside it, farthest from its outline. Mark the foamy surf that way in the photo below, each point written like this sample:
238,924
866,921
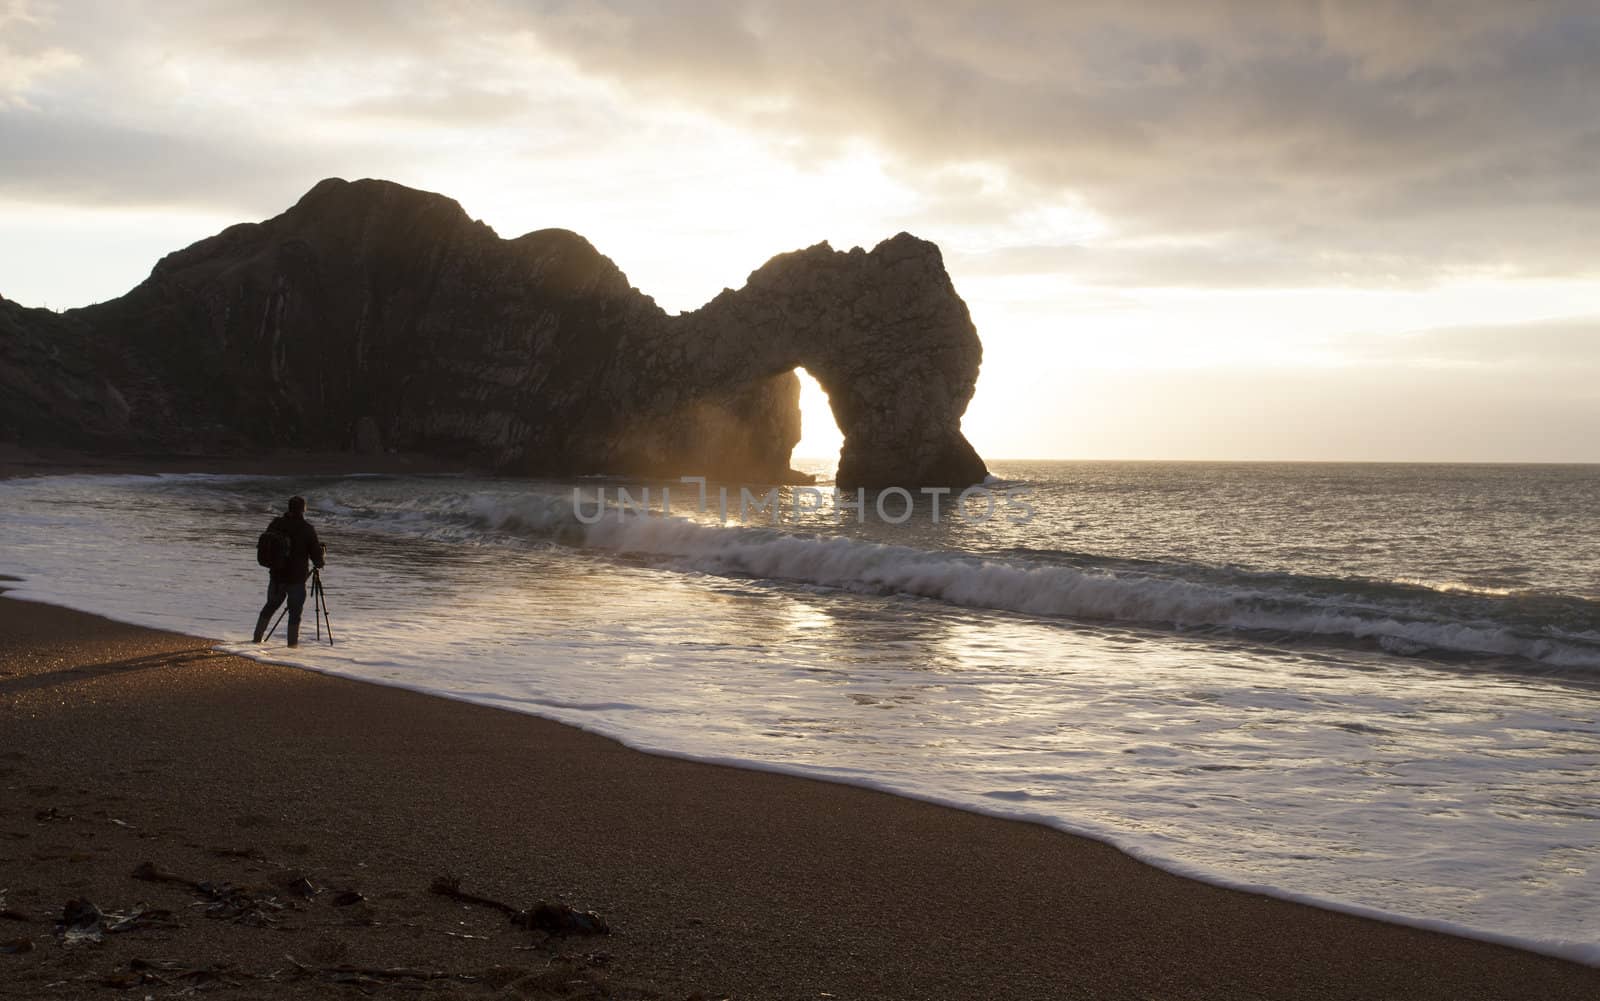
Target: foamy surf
1398,618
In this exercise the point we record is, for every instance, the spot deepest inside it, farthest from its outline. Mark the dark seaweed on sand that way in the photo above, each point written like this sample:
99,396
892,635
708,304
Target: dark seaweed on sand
554,918
82,921
225,901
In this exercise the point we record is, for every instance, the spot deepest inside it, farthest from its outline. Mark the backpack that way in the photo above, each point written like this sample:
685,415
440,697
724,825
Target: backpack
273,549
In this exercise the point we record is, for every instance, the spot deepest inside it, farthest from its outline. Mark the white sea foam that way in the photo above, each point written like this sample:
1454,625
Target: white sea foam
1056,591
1012,585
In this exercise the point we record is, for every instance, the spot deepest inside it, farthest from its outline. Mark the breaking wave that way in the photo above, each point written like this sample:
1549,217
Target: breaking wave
1402,617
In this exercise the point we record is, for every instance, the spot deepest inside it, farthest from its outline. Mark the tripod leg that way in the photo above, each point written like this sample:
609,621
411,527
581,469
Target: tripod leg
275,625
324,599
319,608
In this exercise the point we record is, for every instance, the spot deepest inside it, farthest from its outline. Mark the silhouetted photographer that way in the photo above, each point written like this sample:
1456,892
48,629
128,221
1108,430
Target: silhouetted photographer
288,549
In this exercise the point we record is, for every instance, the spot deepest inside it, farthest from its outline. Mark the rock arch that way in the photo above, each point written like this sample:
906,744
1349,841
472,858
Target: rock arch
374,315
884,333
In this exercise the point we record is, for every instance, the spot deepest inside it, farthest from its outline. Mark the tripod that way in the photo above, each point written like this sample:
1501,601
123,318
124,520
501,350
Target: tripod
319,609
319,605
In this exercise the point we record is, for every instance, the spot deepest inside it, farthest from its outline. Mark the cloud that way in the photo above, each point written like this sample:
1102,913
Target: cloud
459,107
85,161
302,32
1217,142
1564,350
1225,264
1428,132
26,56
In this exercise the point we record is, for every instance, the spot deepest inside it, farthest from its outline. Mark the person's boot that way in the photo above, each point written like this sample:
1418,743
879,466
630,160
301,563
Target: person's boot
294,634
261,629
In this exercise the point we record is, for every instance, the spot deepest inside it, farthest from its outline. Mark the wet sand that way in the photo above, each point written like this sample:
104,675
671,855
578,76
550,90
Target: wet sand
121,746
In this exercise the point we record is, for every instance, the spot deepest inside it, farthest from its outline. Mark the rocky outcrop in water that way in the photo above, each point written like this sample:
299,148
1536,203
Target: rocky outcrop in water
374,317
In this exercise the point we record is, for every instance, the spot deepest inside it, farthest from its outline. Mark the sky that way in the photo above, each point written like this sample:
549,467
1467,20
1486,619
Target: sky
1210,229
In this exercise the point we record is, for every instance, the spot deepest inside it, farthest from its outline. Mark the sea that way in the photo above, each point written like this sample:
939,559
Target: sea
1373,688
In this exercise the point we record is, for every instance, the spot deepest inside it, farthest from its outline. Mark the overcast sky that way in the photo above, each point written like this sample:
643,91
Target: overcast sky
1241,229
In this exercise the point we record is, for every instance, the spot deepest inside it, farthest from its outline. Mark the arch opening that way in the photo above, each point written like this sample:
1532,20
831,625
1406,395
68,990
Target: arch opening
817,451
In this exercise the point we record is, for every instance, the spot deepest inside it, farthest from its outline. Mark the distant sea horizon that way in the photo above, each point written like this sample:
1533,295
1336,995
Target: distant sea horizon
1346,462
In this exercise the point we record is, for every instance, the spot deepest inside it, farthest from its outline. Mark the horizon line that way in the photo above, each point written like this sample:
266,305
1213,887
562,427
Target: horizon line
1264,462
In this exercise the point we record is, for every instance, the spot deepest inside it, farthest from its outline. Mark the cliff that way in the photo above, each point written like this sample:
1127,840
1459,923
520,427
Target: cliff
373,316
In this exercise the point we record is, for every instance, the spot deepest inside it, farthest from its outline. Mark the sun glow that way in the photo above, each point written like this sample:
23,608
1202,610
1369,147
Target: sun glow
820,437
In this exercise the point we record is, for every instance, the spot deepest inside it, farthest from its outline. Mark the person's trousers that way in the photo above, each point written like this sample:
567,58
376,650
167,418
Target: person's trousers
279,588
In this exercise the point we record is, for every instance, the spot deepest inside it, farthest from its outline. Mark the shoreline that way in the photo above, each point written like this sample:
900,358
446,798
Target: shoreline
1582,954
782,886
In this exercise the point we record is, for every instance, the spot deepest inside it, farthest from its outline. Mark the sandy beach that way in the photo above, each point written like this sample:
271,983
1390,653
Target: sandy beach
295,825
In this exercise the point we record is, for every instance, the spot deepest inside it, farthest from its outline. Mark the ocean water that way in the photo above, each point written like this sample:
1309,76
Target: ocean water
1372,687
